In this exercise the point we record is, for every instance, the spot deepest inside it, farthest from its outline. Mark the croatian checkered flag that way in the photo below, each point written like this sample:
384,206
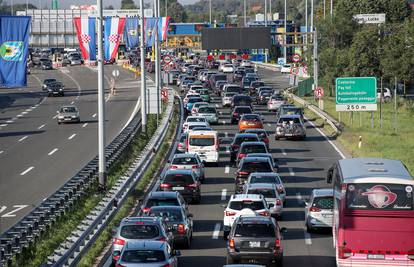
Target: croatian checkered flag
114,27
85,29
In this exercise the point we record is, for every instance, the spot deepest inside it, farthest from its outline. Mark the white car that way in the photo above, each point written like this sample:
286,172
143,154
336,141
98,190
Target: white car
188,161
269,191
188,95
195,124
268,177
319,209
246,63
191,119
285,68
228,68
196,106
226,100
243,204
386,95
274,103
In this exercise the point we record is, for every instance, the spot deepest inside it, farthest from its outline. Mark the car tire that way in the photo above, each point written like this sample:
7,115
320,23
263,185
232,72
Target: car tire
230,260
226,235
276,138
187,243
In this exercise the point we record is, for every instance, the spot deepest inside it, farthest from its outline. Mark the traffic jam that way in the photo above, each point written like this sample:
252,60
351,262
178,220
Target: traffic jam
233,125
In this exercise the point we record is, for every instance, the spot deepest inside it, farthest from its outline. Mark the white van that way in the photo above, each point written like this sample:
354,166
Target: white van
205,144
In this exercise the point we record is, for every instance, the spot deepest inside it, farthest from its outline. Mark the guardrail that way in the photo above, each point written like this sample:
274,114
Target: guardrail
70,252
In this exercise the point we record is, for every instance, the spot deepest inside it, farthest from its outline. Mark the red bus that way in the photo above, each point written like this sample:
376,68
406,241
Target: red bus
373,218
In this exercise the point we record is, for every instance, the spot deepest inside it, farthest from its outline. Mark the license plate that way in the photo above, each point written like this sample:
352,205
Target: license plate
253,244
288,134
376,256
178,188
67,119
327,215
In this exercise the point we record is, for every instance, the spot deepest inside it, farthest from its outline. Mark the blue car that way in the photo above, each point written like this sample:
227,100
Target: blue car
191,102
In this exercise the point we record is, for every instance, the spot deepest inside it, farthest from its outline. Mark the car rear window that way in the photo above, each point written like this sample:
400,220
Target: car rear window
178,179
248,149
205,141
267,193
264,179
243,110
258,166
242,139
254,230
185,161
139,231
195,99
253,205
163,202
206,110
323,202
251,117
235,89
168,215
196,119
143,256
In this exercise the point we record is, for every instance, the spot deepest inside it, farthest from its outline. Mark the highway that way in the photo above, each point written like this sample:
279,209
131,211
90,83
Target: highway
37,154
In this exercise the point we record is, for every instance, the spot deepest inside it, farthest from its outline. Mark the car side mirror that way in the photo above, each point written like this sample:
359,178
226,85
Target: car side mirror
190,215
271,205
177,253
283,230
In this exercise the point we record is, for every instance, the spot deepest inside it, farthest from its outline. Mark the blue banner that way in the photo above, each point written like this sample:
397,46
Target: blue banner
150,28
14,48
132,32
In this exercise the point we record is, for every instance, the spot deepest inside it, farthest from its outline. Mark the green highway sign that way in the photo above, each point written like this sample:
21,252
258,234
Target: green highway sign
356,94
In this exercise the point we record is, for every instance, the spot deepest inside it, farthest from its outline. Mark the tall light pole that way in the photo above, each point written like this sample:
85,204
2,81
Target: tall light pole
331,8
209,8
285,37
157,57
245,13
311,21
270,10
101,100
265,22
143,83
306,21
158,46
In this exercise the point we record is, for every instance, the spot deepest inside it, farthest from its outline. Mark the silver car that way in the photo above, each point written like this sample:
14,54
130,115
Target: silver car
68,114
148,253
269,191
182,144
319,209
210,113
226,100
268,177
290,126
188,161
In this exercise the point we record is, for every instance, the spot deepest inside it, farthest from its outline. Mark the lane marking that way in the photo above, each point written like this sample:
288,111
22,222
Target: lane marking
66,72
227,149
227,169
224,122
41,126
1,152
29,109
226,134
24,137
19,116
84,125
284,152
27,170
24,112
308,238
223,194
9,121
291,172
71,137
269,125
2,125
216,231
54,117
299,198
52,152
94,115
73,102
217,105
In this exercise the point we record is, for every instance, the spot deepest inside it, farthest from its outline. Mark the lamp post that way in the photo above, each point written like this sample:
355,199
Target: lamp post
143,84
285,37
209,8
245,13
265,22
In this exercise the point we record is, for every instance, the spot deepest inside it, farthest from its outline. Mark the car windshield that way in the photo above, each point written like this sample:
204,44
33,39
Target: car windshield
185,161
323,202
204,141
143,256
247,204
162,202
254,230
207,110
266,192
172,215
264,179
68,109
259,166
139,231
242,139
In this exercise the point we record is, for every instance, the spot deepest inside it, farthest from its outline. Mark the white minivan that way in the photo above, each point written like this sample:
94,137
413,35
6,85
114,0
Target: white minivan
205,144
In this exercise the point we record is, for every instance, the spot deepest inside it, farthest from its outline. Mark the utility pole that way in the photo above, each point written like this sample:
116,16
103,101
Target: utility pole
285,37
331,8
157,57
265,22
143,84
159,61
311,22
101,101
209,8
316,67
270,10
306,22
245,13
324,9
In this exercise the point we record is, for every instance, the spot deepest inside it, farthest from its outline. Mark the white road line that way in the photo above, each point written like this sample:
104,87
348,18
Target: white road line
19,115
284,152
94,115
84,125
73,102
227,150
1,152
223,194
52,152
269,125
66,72
9,121
24,112
54,117
291,172
224,122
24,137
216,231
27,170
29,109
41,126
217,105
2,125
33,107
227,169
308,238
226,134
71,137
299,198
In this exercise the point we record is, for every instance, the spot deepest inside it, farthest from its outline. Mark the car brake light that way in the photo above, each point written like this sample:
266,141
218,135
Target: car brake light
145,210
231,243
162,238
119,241
173,167
266,140
278,202
344,252
166,265
235,114
180,145
230,213
115,257
277,244
264,213
195,167
314,209
165,185
181,229
192,186
241,155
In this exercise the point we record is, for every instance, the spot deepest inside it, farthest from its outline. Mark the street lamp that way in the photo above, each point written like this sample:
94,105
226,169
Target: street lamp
285,38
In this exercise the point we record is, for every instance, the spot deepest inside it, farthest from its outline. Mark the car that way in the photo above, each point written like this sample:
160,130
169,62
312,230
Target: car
190,119
46,82
148,253
239,138
249,121
226,99
188,96
191,101
238,112
275,102
178,222
163,198
265,155
193,87
386,95
188,161
249,165
206,144
285,68
253,87
290,126
263,97
192,125
227,68
290,110
231,88
68,114
185,182
242,204
55,89
269,191
319,209
196,106
204,94
214,79
46,64
182,143
138,228
268,177
75,59
246,81
255,238
246,63
210,113
252,74
241,100
238,75
261,133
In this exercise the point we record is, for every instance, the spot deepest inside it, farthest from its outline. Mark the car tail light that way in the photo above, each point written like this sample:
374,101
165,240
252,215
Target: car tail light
166,265
314,209
266,140
278,202
195,167
120,265
278,244
264,213
181,229
193,186
230,213
173,167
280,190
115,257
118,241
165,185
241,155
235,114
145,210
180,145
344,253
162,238
231,243
411,254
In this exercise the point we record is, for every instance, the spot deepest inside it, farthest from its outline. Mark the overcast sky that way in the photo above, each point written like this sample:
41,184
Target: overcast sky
66,3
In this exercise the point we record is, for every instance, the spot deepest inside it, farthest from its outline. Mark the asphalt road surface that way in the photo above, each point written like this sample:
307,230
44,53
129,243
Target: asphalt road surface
37,155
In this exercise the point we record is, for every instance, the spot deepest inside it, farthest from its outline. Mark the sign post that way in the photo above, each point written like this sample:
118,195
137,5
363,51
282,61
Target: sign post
356,94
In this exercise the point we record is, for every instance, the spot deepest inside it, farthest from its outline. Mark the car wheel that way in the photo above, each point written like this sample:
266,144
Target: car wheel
187,243
230,260
276,138
225,234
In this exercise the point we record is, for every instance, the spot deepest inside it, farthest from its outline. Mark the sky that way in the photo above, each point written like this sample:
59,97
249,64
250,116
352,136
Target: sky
66,3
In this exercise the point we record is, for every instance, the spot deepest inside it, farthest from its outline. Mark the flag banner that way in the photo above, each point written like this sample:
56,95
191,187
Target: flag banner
114,27
14,49
85,30
150,28
163,24
131,32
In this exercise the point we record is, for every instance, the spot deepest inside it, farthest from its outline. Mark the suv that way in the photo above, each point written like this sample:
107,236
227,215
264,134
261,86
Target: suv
247,166
188,161
139,228
183,181
239,138
238,111
255,238
243,204
161,198
319,209
290,126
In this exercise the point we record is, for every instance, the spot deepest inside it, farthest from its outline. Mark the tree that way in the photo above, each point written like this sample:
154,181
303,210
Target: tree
176,12
128,4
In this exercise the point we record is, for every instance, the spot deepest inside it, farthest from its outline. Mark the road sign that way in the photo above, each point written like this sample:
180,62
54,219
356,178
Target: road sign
356,94
294,71
305,69
166,59
115,73
296,58
370,18
319,93
281,61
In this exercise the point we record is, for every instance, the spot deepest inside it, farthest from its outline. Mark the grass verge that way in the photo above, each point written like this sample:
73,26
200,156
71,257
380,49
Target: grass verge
37,253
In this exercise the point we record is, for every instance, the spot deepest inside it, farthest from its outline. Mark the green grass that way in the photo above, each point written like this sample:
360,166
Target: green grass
37,253
387,141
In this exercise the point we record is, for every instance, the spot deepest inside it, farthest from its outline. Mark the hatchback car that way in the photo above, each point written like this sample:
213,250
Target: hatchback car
198,105
238,111
188,161
182,143
263,97
191,102
255,238
183,181
162,198
274,103
269,191
210,113
268,177
68,114
193,125
261,133
250,147
192,119
290,126
248,166
242,204
319,209
265,155
253,87
249,121
238,140
226,100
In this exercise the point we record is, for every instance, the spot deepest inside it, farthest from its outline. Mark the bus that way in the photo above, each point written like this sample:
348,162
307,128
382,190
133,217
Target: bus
373,217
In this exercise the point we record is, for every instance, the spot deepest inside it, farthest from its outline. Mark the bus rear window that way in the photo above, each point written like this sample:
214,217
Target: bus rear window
379,197
205,141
